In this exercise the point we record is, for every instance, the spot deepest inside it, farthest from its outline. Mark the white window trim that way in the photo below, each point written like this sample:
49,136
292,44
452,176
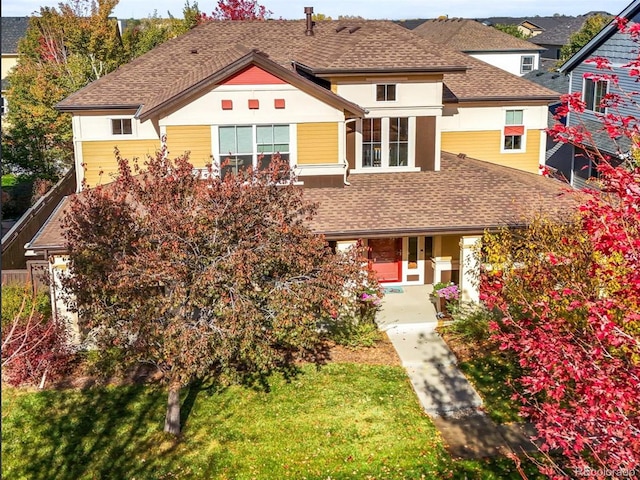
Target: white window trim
584,94
523,141
385,145
134,127
533,63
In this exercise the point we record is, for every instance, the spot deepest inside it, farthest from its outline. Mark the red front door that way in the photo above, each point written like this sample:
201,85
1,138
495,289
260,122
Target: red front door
386,256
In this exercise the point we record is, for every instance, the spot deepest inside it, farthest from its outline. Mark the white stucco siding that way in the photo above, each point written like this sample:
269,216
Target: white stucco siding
508,61
412,98
96,127
300,107
458,118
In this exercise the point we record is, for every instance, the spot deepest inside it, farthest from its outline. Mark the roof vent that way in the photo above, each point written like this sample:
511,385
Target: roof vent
194,50
339,29
354,29
308,12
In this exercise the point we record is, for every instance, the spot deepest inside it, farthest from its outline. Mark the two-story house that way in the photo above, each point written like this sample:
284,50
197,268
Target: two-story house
620,49
413,148
485,43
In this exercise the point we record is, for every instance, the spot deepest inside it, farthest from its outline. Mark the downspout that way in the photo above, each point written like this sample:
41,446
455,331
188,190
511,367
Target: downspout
345,161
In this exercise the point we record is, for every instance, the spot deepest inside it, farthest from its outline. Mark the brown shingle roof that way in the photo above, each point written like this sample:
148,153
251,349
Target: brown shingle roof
470,36
336,46
465,195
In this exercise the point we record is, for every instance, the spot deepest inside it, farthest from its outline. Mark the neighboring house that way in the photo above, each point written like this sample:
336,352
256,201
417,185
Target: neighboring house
619,49
557,37
13,29
497,48
382,141
528,26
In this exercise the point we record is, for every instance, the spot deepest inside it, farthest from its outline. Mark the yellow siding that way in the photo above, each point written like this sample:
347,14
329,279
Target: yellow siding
194,139
317,143
485,145
451,246
99,157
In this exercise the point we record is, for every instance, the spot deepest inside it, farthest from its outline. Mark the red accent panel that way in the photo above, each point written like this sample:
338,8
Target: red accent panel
278,103
253,76
386,255
254,104
514,130
227,104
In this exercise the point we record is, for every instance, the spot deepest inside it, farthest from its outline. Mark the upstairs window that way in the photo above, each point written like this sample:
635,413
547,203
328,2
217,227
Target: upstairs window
3,106
398,142
513,131
527,63
372,142
593,93
386,93
246,146
121,126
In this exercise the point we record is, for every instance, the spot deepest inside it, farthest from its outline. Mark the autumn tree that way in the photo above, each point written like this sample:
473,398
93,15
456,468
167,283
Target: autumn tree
592,25
203,277
568,291
512,30
64,49
238,10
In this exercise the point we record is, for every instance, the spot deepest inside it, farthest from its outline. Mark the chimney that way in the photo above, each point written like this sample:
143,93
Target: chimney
308,11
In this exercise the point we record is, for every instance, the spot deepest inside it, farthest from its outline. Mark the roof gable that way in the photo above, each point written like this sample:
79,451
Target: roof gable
253,75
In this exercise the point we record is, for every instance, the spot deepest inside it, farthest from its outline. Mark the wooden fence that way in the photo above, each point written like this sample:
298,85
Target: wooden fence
36,274
28,225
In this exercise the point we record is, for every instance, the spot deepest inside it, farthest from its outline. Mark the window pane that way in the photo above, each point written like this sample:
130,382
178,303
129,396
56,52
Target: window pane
514,117
589,86
413,252
380,96
391,92
245,139
264,134
281,134
404,129
393,129
227,137
513,142
126,126
281,147
116,127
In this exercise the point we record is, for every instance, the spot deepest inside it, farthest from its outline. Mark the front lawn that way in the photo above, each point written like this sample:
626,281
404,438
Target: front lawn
342,421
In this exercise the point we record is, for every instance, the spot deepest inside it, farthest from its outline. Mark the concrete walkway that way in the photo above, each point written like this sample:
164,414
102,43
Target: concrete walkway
409,319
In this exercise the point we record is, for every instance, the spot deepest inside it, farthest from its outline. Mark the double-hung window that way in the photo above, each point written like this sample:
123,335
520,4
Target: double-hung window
372,142
398,142
121,126
527,62
593,93
513,131
386,92
243,146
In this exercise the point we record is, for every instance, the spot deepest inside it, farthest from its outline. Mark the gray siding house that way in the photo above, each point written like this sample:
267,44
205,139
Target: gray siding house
619,49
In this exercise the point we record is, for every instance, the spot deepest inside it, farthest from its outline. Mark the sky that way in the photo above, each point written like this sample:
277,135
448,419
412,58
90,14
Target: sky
386,9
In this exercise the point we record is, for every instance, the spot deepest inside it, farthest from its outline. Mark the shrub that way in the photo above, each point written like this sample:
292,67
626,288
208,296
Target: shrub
471,323
34,348
13,298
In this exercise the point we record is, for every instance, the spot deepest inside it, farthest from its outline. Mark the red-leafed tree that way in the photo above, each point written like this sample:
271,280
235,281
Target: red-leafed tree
238,10
569,295
203,277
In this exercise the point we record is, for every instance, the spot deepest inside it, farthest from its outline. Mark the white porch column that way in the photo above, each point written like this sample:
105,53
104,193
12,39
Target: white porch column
61,312
469,268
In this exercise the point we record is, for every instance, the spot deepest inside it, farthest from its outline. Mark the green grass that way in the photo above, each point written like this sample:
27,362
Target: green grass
9,180
490,375
342,421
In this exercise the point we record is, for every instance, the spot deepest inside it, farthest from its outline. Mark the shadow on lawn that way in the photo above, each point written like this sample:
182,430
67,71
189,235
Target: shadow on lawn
92,433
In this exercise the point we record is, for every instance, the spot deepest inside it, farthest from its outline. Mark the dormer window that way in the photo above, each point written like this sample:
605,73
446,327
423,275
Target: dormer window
386,92
121,126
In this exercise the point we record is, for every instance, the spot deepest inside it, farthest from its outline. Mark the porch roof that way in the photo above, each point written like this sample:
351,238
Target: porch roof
466,195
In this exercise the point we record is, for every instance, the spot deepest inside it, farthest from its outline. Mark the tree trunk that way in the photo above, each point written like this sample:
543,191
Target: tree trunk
172,420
